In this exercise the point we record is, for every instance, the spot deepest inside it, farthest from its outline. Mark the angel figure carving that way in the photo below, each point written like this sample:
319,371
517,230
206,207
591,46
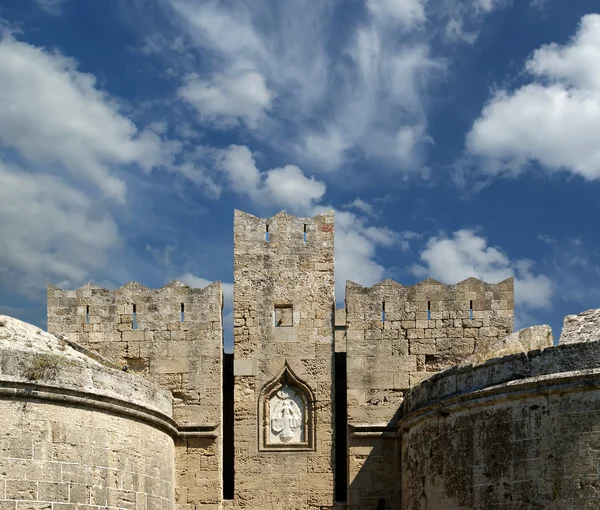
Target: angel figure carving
287,415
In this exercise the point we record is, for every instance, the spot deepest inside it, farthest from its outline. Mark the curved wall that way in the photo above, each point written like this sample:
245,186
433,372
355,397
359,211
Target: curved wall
517,432
73,432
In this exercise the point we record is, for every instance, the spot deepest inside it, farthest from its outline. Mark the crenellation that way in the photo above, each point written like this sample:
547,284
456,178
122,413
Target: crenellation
404,334
398,398
183,357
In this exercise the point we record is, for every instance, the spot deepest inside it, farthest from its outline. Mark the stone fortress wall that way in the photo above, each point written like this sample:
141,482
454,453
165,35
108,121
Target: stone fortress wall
397,397
75,433
283,338
396,336
172,336
521,431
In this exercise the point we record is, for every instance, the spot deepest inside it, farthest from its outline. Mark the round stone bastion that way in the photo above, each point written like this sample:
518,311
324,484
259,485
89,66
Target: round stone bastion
77,432
517,432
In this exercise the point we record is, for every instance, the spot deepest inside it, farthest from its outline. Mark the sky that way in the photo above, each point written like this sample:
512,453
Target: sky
453,138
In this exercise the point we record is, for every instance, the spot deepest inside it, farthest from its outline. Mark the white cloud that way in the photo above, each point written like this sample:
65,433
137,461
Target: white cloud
199,282
356,245
52,232
366,99
463,18
286,187
361,206
52,7
465,255
226,99
52,114
326,149
554,119
406,12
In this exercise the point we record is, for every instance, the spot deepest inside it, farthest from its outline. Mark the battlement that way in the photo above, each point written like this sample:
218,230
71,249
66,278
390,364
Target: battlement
282,231
171,335
397,336
311,392
492,303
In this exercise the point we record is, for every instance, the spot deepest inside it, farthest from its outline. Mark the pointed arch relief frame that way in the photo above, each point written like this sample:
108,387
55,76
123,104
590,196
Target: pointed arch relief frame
286,414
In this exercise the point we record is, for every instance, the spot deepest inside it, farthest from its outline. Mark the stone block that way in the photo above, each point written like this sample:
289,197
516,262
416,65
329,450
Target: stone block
355,363
245,367
422,346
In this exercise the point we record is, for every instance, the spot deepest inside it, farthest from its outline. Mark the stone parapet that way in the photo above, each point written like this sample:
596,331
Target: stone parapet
513,432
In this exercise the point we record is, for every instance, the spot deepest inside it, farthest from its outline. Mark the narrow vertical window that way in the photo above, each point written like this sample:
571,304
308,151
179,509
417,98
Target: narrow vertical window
87,314
383,311
341,427
428,310
267,234
135,325
305,232
471,310
228,471
182,317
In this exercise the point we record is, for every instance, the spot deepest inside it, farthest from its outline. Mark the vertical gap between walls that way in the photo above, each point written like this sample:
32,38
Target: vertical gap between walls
428,310
383,311
341,428
228,434
87,314
267,234
305,232
471,310
135,325
182,317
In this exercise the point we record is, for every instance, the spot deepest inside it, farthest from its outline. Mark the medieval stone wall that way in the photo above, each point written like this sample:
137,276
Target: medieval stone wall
76,434
396,337
172,336
283,356
515,432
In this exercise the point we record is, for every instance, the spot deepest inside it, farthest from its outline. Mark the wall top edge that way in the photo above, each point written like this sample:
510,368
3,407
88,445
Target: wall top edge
135,286
430,282
465,379
283,214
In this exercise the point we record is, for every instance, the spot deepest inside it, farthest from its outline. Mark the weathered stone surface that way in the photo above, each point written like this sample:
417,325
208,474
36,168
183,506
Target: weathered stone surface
283,325
144,331
478,431
583,327
524,340
397,336
513,432
76,432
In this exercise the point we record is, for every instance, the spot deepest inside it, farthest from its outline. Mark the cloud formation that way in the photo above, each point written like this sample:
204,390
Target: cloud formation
226,99
554,119
465,254
53,115
278,187
275,71
53,232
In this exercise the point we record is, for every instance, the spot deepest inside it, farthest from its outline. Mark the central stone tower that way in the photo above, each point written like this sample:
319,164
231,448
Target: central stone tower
283,358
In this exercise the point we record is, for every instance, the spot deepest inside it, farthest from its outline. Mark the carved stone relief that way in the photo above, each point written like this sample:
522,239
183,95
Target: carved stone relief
287,411
287,420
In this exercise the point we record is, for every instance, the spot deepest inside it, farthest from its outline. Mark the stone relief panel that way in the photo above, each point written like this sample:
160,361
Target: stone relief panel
287,418
287,411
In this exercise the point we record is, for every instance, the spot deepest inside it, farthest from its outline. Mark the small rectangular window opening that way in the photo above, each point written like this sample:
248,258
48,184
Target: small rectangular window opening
305,233
471,310
135,325
87,314
182,312
284,316
428,310
383,311
267,234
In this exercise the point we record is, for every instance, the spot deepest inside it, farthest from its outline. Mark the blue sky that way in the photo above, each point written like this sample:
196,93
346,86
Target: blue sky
454,138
